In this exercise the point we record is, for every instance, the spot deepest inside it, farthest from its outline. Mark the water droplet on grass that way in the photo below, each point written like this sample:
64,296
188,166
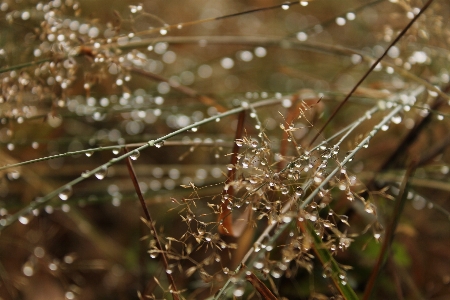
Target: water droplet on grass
258,264
135,155
239,289
65,193
159,144
101,173
24,220
397,119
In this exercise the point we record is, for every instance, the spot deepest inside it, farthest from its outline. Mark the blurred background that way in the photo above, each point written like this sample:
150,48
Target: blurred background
80,75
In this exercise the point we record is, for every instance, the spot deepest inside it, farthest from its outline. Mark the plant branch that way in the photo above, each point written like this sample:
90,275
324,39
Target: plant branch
151,225
226,217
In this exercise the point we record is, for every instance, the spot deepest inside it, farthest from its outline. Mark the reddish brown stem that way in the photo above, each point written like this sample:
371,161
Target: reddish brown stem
260,287
226,217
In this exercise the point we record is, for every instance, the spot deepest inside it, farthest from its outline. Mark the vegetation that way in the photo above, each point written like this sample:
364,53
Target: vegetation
224,149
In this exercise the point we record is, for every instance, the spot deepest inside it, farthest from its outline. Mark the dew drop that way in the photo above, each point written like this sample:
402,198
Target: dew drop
254,143
116,151
370,208
65,193
239,142
190,216
299,191
340,21
327,272
245,162
135,155
28,269
257,246
259,264
89,153
377,230
24,220
276,272
159,144
239,289
100,174
397,119
201,228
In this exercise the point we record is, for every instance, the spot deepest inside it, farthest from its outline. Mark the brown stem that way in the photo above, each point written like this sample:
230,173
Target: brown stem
150,223
226,218
260,287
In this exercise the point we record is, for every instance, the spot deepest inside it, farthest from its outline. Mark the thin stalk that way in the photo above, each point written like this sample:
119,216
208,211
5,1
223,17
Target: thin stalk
401,34
115,147
151,225
260,287
225,217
